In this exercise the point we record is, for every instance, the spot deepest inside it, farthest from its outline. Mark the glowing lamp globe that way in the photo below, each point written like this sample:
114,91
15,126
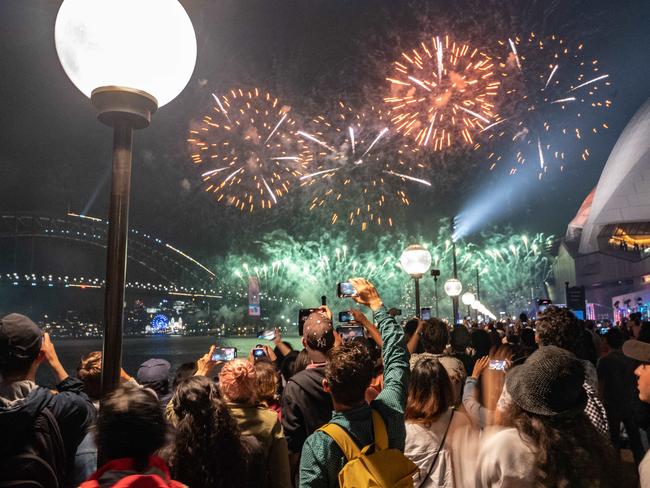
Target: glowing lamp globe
468,298
415,260
475,305
142,45
453,287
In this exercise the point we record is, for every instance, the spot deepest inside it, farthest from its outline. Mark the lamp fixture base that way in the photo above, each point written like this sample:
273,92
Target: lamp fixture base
119,105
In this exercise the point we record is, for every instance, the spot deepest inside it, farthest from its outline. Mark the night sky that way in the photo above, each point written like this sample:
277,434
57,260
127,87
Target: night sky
55,155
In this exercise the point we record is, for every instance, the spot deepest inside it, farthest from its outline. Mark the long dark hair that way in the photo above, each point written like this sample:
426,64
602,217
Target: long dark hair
208,450
429,393
569,451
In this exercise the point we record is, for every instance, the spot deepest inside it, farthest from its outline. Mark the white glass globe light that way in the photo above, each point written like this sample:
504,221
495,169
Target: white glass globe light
415,260
146,45
468,298
453,287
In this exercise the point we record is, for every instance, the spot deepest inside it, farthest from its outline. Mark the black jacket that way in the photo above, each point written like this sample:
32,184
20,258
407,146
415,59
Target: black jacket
305,406
70,406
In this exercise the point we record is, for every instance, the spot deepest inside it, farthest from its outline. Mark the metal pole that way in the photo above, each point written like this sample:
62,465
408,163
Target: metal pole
417,296
116,254
454,300
435,281
478,286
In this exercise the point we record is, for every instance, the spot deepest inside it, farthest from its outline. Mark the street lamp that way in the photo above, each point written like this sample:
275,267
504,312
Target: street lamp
453,287
468,298
130,57
416,260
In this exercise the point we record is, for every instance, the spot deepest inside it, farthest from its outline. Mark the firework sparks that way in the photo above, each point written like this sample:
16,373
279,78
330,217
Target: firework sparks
553,92
250,138
349,173
441,92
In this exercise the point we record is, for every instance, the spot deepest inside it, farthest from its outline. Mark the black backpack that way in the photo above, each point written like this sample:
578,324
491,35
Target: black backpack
38,459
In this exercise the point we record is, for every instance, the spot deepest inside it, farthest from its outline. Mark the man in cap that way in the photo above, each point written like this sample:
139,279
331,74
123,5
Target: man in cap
154,374
641,352
23,348
305,405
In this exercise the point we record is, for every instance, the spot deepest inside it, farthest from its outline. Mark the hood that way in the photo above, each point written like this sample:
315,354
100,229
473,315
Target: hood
20,404
311,381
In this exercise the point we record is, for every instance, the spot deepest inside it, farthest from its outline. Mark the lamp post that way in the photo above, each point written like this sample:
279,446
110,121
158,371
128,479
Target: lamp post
454,298
416,260
468,298
478,285
453,287
130,58
435,273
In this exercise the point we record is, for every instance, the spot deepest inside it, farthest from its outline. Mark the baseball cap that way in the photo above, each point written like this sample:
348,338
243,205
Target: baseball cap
20,338
319,332
153,370
637,350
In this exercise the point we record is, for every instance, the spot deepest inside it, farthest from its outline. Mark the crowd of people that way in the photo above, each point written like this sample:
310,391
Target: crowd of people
548,402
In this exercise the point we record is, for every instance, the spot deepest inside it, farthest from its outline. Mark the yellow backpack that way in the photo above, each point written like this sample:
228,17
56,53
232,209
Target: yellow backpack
375,465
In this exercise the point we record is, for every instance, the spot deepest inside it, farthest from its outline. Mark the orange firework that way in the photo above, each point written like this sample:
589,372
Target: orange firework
442,92
247,149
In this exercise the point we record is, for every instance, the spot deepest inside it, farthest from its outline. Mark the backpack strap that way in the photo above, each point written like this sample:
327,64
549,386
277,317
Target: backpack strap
342,439
379,428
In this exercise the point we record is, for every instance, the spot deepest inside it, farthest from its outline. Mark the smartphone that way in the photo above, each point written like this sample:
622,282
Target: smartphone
497,364
258,353
303,313
224,354
603,330
350,332
268,335
425,313
345,316
345,289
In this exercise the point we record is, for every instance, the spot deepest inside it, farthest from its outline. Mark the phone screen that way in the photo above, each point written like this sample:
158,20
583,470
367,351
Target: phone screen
425,313
258,352
345,289
268,335
497,364
350,332
224,354
345,316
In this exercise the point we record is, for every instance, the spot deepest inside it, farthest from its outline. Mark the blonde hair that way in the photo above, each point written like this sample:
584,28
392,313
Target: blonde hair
90,372
237,381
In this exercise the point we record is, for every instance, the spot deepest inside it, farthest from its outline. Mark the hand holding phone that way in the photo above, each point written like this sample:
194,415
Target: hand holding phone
258,353
345,289
350,332
224,353
345,316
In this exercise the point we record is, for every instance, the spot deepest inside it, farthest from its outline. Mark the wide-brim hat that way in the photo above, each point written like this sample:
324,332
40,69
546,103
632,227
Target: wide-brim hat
637,350
549,383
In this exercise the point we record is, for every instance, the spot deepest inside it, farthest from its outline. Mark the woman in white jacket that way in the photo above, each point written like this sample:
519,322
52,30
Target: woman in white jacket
434,430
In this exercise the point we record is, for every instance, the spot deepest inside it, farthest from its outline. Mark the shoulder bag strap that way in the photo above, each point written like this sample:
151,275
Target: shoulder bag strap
342,439
442,443
379,428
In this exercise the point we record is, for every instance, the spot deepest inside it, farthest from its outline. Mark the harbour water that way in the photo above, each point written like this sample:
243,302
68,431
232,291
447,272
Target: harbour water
136,350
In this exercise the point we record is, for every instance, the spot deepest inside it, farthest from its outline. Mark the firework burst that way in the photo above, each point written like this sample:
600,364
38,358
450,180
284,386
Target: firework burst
443,92
557,97
360,169
247,149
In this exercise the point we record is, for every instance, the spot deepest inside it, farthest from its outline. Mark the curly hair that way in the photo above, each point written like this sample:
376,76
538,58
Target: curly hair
89,371
435,336
208,450
267,381
349,371
559,327
569,451
130,424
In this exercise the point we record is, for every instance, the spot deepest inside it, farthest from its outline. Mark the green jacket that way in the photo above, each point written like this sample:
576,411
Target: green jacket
321,458
263,424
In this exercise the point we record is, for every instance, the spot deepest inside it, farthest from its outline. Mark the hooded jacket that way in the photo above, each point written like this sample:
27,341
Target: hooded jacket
305,406
22,401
